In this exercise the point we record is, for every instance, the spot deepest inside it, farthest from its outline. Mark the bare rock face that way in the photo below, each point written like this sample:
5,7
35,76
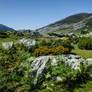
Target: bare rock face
89,61
8,45
73,61
27,42
18,33
39,65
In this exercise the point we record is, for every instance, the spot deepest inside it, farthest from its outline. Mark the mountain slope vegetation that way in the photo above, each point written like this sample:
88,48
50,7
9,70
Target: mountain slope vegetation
71,23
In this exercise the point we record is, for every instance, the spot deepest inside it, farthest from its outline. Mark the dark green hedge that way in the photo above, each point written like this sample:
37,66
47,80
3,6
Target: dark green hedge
85,43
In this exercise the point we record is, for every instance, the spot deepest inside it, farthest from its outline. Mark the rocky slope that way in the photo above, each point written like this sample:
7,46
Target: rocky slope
74,22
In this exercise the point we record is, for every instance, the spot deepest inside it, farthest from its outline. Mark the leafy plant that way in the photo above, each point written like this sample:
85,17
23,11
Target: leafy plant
85,43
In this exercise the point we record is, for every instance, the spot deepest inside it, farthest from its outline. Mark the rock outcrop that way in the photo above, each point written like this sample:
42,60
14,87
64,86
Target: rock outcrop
87,35
27,42
89,61
17,33
39,65
8,45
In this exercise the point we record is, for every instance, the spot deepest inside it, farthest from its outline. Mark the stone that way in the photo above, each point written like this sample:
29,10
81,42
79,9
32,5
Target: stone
87,35
31,59
18,33
27,42
52,84
48,76
89,61
58,78
36,33
73,61
72,34
8,45
39,65
49,88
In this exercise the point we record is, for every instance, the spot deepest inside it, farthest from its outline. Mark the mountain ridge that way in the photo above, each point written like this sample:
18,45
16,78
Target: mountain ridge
73,22
5,28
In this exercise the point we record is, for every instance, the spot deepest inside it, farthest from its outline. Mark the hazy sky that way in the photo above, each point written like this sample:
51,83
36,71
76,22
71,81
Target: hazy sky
33,14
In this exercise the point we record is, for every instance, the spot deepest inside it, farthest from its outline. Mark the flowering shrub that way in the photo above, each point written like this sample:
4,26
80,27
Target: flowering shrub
50,51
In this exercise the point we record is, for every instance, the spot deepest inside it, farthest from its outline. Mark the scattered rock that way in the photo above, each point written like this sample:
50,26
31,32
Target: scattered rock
8,45
72,35
36,33
31,59
89,61
58,78
18,33
39,65
48,76
27,42
49,88
52,84
87,35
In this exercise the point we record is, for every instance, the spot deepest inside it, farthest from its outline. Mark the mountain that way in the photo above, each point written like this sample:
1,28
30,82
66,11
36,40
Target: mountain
5,28
71,23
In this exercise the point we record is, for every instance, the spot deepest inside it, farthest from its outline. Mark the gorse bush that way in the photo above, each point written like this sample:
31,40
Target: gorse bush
50,51
85,43
48,47
53,47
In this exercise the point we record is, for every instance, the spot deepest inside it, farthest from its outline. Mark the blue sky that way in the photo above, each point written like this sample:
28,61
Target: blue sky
33,14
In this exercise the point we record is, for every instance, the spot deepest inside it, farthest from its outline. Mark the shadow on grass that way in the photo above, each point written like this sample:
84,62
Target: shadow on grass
73,53
70,85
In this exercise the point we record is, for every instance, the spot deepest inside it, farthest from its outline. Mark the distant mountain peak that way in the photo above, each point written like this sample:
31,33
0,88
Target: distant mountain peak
5,28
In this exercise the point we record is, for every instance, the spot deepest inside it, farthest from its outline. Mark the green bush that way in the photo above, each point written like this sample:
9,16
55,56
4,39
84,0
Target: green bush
14,73
55,34
85,43
84,31
3,34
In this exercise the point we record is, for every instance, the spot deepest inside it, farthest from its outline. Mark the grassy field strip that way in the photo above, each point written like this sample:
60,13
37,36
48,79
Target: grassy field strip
83,53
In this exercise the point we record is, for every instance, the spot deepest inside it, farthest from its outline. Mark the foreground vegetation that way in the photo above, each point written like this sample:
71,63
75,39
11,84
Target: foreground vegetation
15,66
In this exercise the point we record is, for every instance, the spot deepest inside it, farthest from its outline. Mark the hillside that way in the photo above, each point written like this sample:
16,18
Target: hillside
5,28
71,23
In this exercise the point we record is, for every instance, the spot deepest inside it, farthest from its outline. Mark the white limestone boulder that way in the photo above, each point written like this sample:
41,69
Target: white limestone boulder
39,65
7,45
89,61
27,42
